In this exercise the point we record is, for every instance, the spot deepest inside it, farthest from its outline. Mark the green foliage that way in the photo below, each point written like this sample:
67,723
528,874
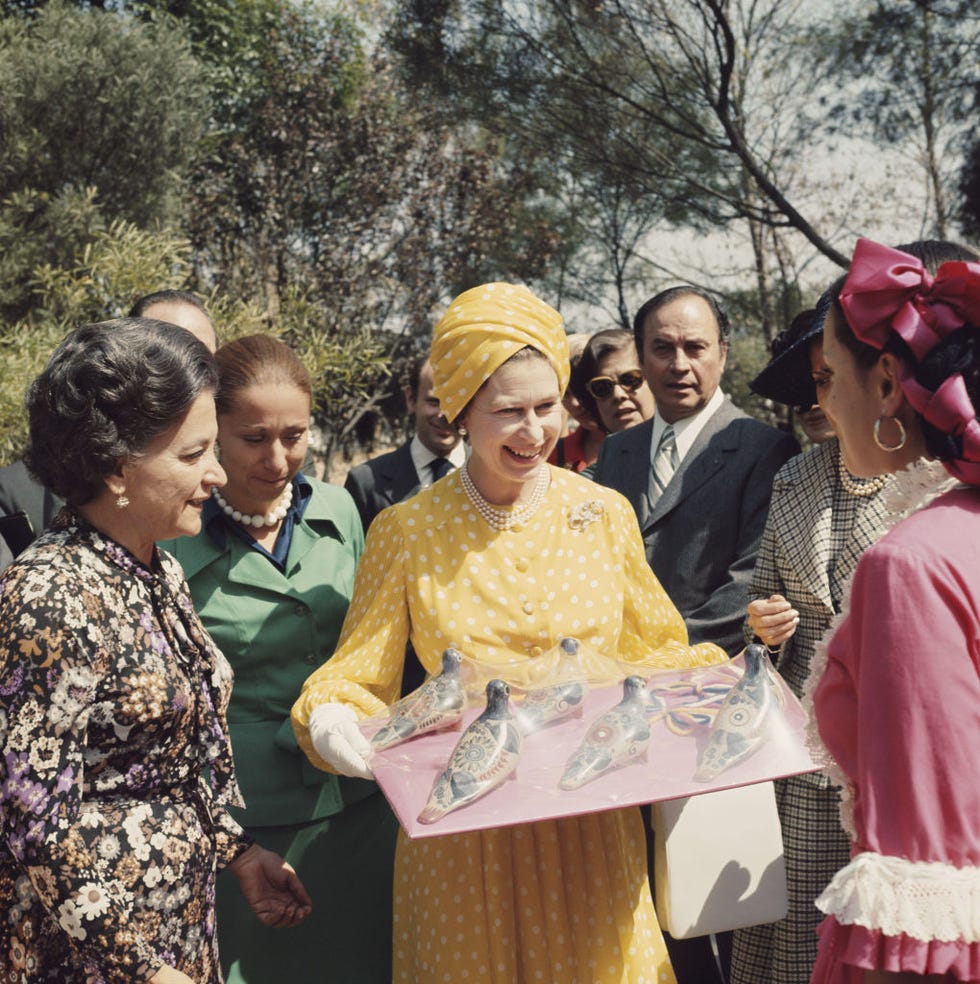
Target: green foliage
109,272
23,353
99,118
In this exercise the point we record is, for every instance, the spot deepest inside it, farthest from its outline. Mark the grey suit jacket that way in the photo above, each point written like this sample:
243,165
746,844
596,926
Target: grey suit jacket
703,534
382,481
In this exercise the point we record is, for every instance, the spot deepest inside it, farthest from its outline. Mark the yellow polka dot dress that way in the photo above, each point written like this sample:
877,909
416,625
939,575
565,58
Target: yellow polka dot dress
556,901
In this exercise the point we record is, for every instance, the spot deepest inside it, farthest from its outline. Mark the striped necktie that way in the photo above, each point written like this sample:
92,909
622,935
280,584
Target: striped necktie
664,463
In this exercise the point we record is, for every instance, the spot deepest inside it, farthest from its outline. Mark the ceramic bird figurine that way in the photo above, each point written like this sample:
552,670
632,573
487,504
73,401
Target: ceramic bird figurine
740,724
617,736
438,703
485,755
558,700
547,704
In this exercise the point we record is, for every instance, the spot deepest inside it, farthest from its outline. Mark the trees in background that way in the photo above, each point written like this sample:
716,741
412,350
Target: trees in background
706,115
334,173
100,119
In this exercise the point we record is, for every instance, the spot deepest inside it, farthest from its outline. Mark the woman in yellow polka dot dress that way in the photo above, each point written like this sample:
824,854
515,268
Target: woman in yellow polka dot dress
501,559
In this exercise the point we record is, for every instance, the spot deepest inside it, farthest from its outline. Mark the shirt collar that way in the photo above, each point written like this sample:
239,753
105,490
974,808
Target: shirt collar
685,431
218,525
422,457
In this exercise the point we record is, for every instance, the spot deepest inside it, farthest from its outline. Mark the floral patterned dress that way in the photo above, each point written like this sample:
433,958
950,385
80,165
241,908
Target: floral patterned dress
115,767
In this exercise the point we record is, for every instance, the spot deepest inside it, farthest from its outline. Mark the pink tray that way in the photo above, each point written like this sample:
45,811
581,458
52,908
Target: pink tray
407,772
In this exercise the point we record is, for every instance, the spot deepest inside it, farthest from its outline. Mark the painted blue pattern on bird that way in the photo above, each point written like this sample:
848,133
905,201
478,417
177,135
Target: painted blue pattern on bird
486,754
547,704
740,724
438,703
614,738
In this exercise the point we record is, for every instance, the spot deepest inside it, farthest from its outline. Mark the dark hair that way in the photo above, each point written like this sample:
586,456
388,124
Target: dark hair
600,345
415,374
675,293
254,360
107,391
167,297
958,352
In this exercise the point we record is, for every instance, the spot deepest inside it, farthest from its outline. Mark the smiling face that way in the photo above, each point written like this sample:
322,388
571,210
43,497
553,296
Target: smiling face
263,440
168,483
683,356
513,424
622,408
431,427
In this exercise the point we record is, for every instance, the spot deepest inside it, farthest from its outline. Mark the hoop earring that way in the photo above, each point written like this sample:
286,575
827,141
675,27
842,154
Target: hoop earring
902,435
121,501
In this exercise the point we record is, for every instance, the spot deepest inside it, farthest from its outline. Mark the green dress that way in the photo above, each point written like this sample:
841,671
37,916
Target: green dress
275,627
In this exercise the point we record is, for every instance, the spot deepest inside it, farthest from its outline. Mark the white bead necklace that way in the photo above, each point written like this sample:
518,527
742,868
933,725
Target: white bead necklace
501,519
259,519
860,487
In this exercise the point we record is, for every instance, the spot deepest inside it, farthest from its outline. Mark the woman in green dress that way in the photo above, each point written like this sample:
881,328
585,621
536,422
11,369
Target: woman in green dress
271,574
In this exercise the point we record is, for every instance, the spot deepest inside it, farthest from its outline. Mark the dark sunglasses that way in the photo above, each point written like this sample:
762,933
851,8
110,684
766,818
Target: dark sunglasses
601,387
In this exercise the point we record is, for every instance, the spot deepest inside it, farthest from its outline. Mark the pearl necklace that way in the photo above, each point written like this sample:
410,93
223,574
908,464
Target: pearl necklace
259,519
859,487
501,519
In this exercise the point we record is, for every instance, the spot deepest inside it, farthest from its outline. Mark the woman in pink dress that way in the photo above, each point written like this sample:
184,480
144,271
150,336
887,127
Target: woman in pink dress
896,690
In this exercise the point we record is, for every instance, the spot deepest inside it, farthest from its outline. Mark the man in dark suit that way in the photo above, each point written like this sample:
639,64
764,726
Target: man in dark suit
699,475
21,492
433,451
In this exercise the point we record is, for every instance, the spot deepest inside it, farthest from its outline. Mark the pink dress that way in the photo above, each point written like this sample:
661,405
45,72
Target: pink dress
898,708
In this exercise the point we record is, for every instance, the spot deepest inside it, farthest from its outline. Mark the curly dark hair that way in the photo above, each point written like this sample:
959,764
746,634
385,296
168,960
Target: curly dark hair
107,391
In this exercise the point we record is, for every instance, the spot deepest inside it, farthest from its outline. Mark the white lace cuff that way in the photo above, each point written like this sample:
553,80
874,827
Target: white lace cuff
926,900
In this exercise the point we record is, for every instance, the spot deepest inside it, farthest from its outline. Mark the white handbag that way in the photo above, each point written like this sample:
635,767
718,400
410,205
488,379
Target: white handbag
719,861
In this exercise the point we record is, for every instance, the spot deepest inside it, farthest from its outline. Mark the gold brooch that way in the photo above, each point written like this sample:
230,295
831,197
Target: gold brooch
585,513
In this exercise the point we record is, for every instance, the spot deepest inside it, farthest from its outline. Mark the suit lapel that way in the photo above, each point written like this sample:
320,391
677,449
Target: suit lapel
400,478
634,467
698,466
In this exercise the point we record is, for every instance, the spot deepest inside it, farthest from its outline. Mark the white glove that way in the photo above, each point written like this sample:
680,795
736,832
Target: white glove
338,740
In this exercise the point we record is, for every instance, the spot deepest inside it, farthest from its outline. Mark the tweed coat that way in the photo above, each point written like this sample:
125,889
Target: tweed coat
702,535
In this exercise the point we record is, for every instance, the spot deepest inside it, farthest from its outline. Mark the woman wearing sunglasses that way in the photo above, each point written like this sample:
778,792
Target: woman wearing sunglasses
610,384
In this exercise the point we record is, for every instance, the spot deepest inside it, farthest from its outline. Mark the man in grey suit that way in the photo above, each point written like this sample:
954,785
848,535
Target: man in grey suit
702,514
699,475
434,450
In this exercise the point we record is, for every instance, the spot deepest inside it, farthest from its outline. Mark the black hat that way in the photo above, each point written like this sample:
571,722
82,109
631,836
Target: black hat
787,378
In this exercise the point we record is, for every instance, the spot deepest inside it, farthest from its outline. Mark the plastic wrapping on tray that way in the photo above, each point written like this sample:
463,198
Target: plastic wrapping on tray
709,727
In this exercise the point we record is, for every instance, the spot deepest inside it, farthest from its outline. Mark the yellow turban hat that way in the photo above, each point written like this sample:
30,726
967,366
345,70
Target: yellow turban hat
482,329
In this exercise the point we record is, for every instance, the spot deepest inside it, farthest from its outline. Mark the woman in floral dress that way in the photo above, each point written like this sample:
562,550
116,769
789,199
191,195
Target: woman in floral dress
116,766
